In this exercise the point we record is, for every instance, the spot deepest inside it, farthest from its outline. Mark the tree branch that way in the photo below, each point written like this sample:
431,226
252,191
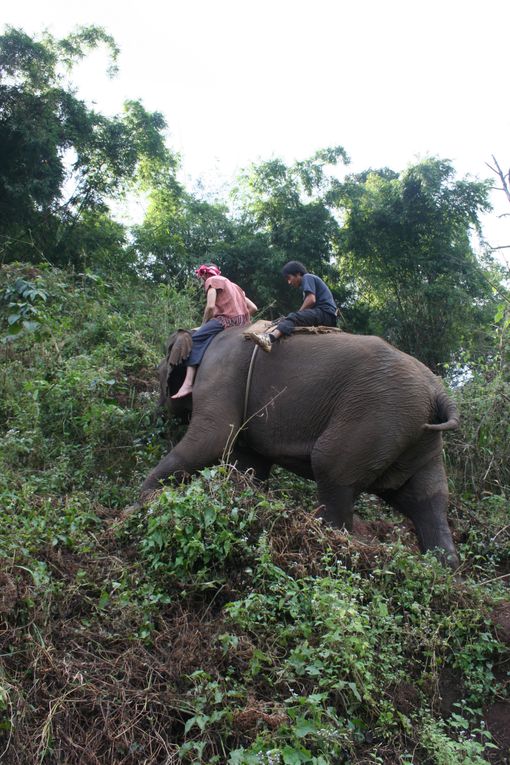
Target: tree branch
505,179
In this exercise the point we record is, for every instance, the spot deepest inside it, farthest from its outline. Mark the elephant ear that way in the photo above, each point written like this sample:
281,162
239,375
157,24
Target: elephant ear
178,347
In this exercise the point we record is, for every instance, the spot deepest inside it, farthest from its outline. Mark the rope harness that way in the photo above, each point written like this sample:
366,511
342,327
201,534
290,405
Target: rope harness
248,383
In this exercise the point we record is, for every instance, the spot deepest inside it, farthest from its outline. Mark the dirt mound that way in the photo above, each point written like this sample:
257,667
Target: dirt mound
500,617
497,719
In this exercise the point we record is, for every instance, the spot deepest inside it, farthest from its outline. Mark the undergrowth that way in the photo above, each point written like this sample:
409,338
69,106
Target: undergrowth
222,622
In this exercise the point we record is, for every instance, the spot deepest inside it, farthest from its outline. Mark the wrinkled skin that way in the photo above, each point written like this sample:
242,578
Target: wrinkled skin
349,411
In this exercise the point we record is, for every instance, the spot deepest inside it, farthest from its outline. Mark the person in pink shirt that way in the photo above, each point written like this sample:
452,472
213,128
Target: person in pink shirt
226,306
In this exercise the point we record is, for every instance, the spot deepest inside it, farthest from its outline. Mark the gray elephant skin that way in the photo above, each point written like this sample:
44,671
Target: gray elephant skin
349,411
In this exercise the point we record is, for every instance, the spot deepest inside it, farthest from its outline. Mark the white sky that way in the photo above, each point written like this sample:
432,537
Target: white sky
241,80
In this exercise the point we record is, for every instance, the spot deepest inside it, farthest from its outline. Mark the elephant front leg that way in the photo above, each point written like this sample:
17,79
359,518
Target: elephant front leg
336,496
203,445
171,466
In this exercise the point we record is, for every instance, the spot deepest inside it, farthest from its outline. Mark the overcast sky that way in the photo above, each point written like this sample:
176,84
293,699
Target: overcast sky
241,81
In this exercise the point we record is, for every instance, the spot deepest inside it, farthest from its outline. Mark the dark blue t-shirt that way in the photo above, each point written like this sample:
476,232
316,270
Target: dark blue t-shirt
323,297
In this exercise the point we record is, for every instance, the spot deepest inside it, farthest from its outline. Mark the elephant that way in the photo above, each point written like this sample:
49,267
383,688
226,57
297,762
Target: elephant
351,412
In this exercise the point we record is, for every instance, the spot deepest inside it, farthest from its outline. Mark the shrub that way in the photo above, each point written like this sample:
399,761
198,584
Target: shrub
196,535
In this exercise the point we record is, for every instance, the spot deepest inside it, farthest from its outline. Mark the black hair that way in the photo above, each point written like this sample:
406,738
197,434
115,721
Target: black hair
293,267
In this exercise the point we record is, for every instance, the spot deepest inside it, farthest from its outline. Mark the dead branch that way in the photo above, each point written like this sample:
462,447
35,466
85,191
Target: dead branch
505,179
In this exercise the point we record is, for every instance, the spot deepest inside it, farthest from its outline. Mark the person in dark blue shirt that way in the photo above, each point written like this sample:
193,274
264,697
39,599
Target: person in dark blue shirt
318,307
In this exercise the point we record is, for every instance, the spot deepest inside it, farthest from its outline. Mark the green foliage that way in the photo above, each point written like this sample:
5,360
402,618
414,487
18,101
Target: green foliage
325,635
479,453
29,522
445,749
76,378
196,535
24,301
485,545
406,247
227,620
290,207
60,161
179,232
331,649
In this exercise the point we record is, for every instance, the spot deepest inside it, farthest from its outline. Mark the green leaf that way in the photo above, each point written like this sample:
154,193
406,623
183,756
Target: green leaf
209,516
354,689
303,728
31,326
500,312
199,720
292,756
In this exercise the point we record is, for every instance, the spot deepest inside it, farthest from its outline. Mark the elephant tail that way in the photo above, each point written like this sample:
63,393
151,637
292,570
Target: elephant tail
446,415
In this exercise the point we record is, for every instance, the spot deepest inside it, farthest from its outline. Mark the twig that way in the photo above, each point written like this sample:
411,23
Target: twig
227,451
500,532
496,578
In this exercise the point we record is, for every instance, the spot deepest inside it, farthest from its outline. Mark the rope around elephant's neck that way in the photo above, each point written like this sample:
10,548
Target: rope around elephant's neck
248,383
250,375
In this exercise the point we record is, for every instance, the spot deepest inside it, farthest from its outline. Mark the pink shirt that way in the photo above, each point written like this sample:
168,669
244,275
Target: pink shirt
230,305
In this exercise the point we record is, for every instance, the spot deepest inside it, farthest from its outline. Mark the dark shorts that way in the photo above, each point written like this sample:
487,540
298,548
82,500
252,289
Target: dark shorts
310,317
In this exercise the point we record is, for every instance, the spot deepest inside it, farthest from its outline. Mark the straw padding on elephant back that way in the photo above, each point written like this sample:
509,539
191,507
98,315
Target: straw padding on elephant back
262,325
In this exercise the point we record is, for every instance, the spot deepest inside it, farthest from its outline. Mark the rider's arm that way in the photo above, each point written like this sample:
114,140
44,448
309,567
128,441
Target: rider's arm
209,306
309,301
252,308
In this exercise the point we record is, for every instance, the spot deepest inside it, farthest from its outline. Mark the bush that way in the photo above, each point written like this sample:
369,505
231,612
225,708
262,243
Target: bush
197,535
479,453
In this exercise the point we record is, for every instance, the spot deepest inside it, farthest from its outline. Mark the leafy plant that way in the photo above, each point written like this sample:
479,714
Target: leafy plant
24,301
196,534
439,739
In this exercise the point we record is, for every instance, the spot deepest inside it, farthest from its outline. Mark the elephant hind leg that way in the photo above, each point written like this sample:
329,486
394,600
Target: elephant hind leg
424,500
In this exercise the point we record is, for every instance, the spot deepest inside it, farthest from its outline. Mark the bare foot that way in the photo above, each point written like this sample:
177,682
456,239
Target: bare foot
182,392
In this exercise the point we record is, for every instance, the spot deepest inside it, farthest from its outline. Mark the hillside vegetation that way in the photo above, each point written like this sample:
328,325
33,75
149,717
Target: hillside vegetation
222,622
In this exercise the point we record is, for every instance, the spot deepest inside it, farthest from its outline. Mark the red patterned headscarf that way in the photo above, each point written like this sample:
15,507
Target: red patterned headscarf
207,270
